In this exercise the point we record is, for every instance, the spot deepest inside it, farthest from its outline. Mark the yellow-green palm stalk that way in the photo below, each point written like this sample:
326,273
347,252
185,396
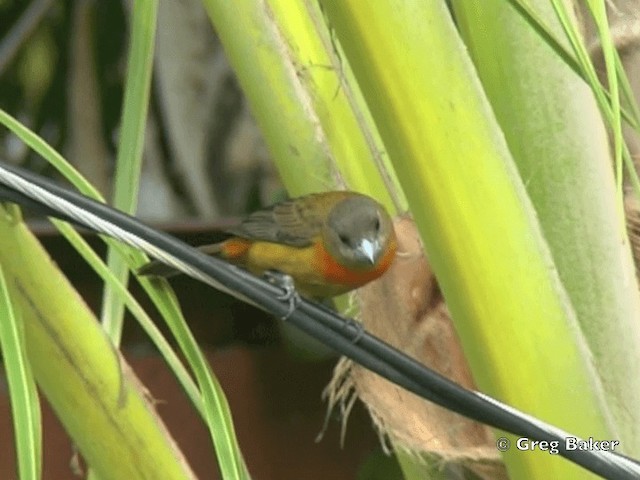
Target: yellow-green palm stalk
556,134
517,324
97,398
317,128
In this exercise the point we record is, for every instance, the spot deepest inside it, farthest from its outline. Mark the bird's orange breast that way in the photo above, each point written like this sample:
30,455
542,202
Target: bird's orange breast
335,272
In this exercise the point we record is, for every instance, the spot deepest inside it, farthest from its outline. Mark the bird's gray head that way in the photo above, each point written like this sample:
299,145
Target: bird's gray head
357,232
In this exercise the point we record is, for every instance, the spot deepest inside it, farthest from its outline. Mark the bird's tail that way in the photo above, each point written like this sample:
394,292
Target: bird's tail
158,269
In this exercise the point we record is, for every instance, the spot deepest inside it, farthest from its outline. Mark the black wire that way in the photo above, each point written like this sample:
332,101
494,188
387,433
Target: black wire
332,329
7,194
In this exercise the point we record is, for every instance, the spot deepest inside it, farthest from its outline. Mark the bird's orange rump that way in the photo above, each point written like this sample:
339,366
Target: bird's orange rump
234,248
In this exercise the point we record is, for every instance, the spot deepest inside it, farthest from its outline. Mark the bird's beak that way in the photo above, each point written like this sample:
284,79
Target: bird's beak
370,249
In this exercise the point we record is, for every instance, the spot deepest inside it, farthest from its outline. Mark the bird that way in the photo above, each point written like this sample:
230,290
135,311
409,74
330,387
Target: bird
328,243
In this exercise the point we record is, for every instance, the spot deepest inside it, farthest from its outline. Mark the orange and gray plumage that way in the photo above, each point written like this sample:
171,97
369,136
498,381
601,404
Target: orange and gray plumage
329,243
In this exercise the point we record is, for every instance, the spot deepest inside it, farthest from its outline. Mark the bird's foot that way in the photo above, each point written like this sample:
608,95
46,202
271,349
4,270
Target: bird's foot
289,294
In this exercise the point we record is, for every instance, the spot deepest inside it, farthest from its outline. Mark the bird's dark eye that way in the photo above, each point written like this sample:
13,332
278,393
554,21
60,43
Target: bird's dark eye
376,225
344,239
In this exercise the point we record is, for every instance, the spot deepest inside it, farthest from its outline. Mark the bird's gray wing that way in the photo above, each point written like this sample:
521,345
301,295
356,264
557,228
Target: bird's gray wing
292,222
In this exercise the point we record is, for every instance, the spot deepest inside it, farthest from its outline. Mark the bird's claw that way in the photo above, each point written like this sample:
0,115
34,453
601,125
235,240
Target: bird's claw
289,294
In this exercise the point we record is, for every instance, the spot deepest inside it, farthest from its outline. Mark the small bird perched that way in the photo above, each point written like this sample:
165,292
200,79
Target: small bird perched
328,243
